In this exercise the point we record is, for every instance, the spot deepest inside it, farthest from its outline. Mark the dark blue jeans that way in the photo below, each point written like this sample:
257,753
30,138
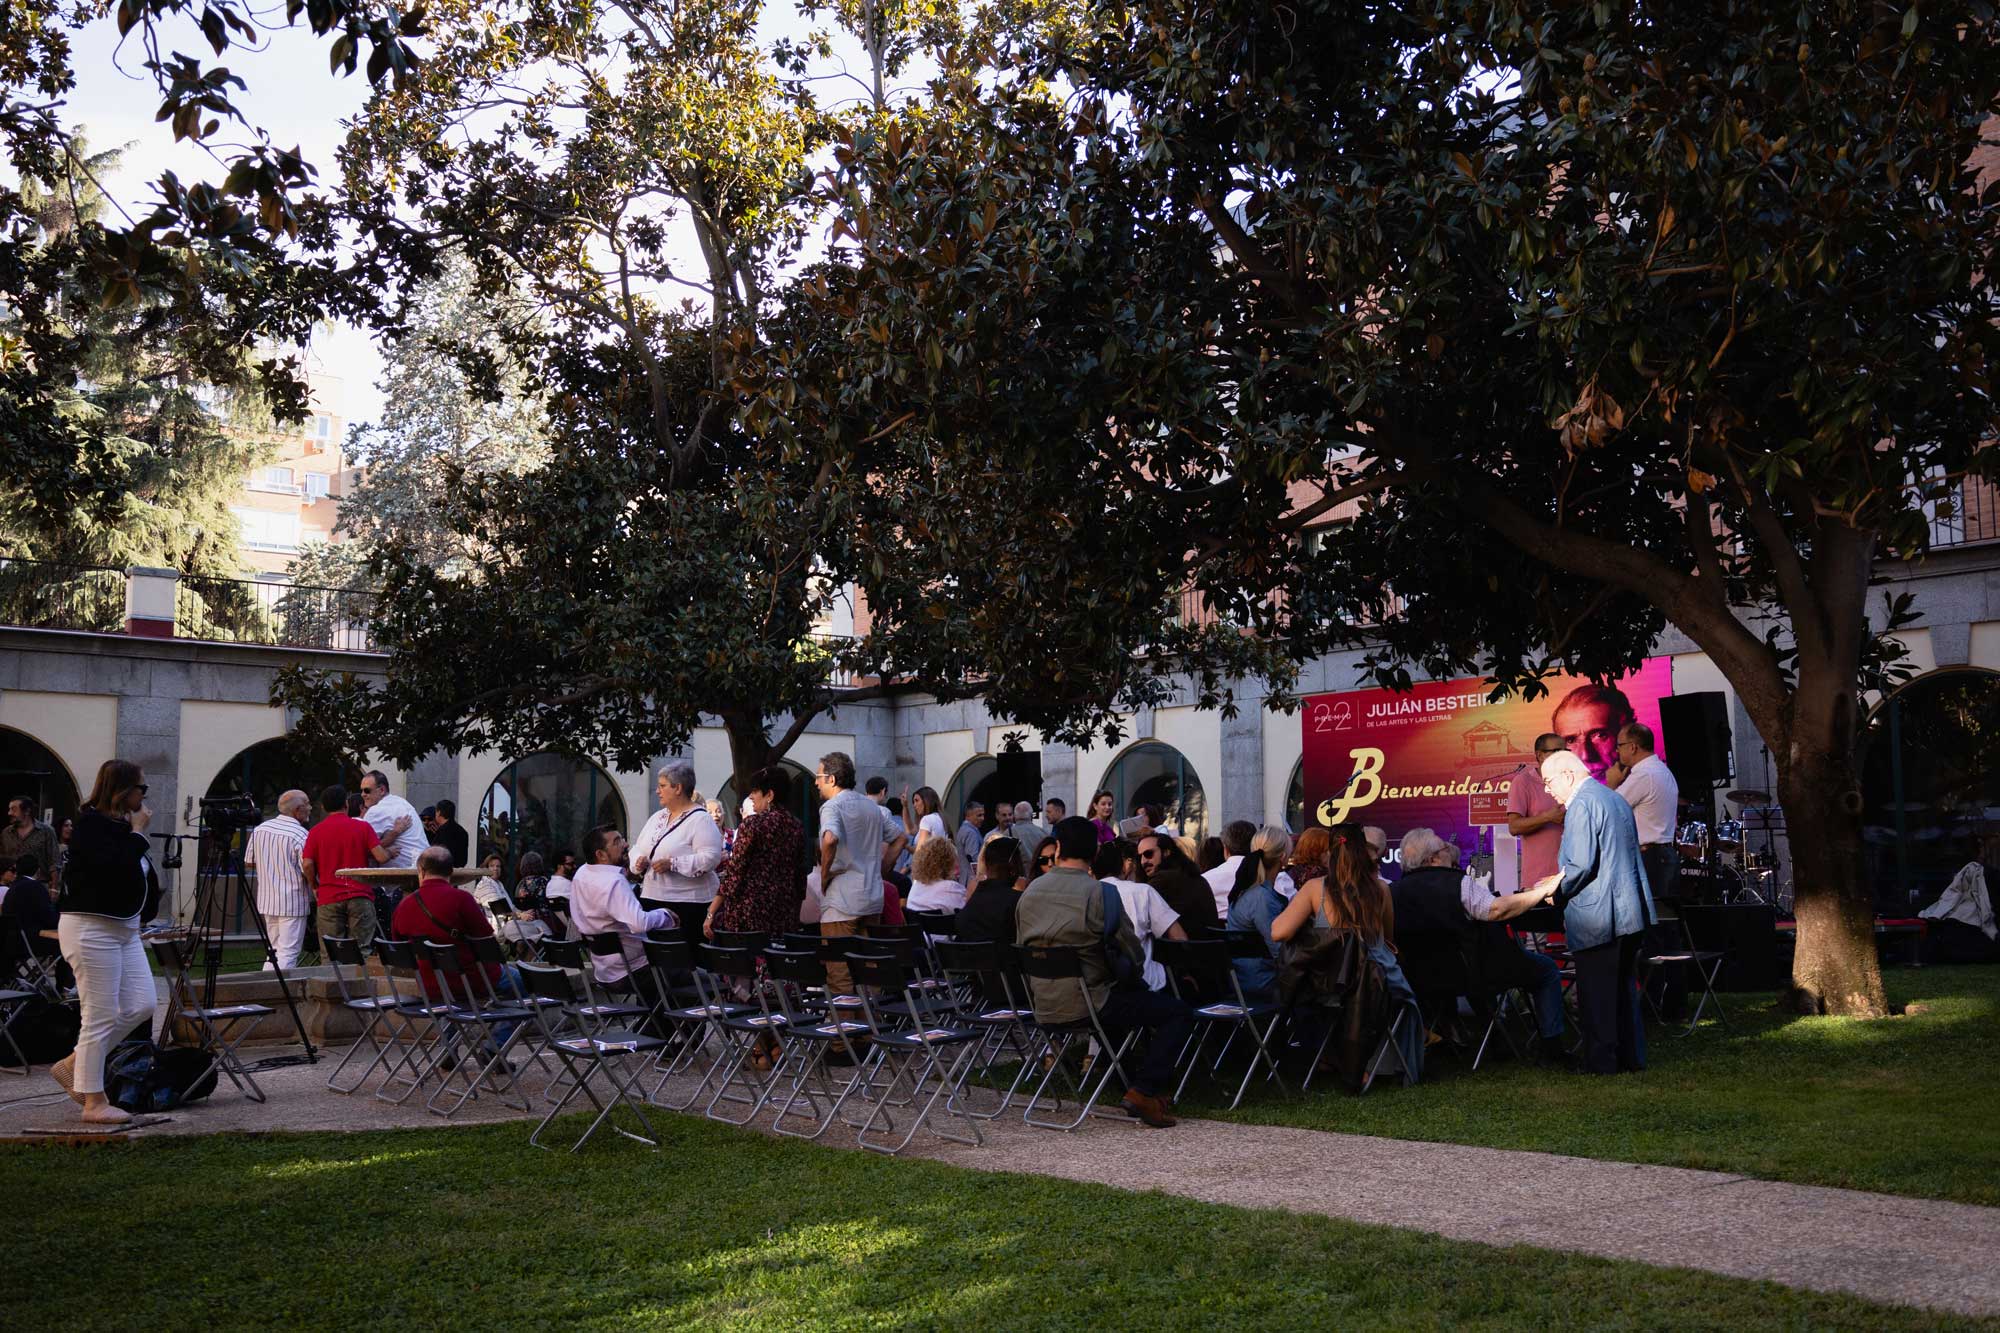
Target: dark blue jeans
1548,994
1168,1020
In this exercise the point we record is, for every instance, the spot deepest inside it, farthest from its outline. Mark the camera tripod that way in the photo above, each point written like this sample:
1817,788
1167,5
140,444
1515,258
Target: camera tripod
220,849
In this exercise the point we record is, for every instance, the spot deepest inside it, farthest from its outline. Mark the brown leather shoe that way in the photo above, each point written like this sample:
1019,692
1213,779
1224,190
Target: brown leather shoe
1145,1106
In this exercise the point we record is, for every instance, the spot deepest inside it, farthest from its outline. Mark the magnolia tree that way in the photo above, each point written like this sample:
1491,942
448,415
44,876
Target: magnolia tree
1592,319
637,182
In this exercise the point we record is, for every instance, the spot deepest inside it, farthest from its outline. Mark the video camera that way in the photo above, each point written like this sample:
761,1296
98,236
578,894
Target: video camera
230,814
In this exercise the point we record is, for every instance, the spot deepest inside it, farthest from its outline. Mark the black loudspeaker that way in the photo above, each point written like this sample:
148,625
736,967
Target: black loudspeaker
1694,740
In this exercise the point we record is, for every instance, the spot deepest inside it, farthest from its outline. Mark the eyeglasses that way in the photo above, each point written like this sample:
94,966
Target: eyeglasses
1046,860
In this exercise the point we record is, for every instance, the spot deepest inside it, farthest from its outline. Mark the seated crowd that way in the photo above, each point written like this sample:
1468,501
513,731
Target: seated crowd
1132,900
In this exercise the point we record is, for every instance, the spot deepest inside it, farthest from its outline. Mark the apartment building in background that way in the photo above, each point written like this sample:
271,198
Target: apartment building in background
292,498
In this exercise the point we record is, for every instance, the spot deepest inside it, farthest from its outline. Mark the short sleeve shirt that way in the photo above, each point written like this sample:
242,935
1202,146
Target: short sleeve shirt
1541,851
337,843
856,824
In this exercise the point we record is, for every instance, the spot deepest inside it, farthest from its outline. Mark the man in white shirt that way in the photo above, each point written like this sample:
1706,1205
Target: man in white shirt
1648,786
601,900
394,820
284,899
1236,837
1148,912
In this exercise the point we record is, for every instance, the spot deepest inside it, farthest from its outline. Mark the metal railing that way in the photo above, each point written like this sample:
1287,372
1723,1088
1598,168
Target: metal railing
1974,516
41,594
286,615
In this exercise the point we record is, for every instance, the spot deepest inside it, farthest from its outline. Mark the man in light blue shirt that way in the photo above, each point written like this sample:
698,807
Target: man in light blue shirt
850,859
1606,909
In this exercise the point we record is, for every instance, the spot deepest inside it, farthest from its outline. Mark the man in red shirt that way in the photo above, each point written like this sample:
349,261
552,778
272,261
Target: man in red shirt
340,842
1535,817
439,910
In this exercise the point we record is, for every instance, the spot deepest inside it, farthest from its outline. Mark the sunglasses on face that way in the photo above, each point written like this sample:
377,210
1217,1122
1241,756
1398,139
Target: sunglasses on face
1045,860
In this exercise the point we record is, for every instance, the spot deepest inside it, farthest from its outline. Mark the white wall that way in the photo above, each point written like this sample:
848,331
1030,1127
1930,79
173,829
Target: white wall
80,729
945,752
212,734
1284,744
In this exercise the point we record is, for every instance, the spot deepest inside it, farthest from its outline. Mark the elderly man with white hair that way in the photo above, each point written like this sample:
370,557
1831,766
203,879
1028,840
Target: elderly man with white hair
284,899
1026,831
1601,887
1433,895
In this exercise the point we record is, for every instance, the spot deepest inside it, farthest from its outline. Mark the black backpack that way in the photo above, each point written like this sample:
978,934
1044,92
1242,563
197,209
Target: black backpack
144,1079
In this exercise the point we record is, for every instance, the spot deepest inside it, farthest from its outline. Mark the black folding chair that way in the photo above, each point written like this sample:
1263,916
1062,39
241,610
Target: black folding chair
472,1023
622,1056
1705,964
599,1007
934,1054
688,1027
739,1081
993,997
1061,967
801,1068
1207,967
425,1047
375,1010
222,1028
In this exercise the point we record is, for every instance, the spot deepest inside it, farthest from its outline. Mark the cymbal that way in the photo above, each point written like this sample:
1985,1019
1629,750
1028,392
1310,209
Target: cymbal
1744,796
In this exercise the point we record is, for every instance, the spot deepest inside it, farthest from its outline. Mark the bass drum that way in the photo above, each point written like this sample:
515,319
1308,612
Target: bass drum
1698,885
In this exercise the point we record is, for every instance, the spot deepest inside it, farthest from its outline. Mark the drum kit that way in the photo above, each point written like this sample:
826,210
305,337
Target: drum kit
1724,863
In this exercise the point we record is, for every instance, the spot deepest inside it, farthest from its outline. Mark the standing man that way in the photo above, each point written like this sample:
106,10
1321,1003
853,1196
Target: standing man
1649,787
341,842
1026,831
971,832
394,820
1534,816
451,835
1601,888
25,835
275,850
1053,811
850,859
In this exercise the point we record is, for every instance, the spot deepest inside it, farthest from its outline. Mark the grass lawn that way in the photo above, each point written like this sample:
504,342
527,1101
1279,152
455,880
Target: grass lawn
1903,1105
472,1228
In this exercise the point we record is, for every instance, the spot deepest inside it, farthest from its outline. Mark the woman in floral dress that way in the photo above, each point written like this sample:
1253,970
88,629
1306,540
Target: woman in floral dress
764,879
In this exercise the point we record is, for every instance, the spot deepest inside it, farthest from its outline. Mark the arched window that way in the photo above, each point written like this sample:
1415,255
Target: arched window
29,768
1930,782
804,801
545,803
1157,774
990,779
268,769
1295,799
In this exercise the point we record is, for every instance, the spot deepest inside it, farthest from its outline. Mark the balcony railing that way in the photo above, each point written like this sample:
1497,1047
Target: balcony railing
286,615
1975,516
44,595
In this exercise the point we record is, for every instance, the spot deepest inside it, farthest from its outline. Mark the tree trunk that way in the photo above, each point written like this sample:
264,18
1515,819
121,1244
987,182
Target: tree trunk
1836,970
749,749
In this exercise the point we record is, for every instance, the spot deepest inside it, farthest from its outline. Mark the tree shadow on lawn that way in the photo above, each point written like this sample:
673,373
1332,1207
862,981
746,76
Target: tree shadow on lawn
470,1227
1896,1105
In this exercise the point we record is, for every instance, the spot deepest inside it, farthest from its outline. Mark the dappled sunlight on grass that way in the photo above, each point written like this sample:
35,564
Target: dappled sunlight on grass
470,1228
1879,1104
318,1166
